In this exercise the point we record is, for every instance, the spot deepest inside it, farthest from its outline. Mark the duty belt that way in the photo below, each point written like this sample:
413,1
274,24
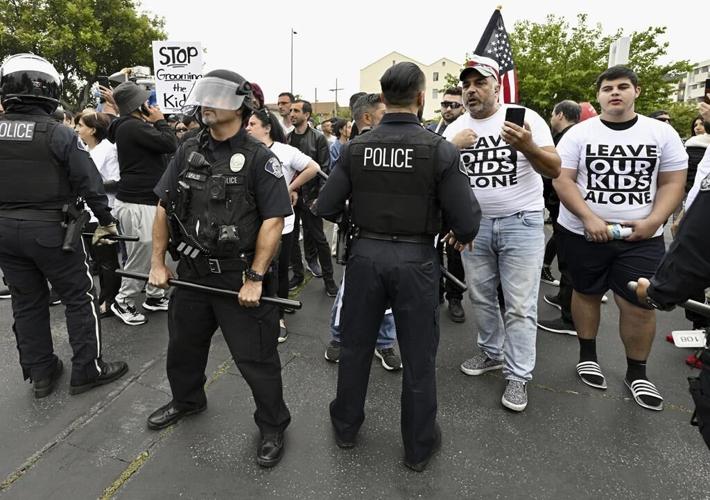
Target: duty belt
205,266
401,238
32,214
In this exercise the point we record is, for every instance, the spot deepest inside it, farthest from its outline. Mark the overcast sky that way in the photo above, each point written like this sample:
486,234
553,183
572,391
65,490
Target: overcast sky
337,38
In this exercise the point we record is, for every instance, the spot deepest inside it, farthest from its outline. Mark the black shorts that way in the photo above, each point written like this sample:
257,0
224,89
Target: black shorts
598,267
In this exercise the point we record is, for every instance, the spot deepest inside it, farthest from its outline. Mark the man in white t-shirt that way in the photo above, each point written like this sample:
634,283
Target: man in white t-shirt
504,162
617,168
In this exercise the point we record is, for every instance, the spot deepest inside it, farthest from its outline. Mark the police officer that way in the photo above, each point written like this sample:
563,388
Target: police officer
402,180
684,272
223,201
43,169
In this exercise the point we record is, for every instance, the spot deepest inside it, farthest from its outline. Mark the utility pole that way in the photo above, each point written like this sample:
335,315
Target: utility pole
335,111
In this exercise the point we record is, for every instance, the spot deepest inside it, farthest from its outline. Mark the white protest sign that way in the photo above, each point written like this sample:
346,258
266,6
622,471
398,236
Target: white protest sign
178,65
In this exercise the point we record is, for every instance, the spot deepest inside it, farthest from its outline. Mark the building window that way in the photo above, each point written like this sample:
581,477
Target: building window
443,63
434,94
436,76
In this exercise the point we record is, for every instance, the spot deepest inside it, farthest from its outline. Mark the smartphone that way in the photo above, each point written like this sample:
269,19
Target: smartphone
144,110
103,81
706,99
515,115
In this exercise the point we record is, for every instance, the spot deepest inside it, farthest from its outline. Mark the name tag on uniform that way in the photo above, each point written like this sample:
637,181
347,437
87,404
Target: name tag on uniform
196,177
388,158
16,131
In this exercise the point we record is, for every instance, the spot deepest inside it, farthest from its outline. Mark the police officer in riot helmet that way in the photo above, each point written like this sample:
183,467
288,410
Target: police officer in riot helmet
44,175
223,201
403,182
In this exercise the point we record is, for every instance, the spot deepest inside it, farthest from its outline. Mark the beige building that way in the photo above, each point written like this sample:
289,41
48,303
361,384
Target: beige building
435,78
692,87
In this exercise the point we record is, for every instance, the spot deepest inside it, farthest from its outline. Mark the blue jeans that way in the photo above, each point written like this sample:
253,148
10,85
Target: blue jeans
387,335
509,251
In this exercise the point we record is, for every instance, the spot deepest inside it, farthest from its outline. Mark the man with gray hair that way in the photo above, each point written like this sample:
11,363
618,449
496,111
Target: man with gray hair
368,111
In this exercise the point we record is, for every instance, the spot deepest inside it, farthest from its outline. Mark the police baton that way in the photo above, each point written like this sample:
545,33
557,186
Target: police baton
690,305
322,174
453,279
113,237
295,304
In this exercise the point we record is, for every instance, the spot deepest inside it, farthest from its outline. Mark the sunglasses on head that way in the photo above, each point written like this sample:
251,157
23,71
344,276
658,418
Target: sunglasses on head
450,104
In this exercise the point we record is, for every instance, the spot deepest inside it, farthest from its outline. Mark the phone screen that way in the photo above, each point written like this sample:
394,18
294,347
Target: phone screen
103,81
515,115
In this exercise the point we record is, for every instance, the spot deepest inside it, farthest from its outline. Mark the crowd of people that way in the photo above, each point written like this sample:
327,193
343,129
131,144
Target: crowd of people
188,185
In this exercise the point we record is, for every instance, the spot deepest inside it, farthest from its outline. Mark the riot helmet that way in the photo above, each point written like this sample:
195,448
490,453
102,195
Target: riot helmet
29,79
220,89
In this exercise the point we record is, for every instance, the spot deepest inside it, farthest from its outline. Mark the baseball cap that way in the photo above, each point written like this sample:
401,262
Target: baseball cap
484,65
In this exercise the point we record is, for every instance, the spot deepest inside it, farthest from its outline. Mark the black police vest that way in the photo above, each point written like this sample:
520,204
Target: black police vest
393,183
29,172
222,215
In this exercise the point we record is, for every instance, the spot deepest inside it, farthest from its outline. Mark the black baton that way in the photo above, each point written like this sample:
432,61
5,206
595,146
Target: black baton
322,174
295,304
453,279
113,237
690,305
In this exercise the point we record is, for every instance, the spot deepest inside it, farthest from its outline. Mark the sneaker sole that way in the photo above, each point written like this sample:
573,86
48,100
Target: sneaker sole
552,303
565,332
385,365
128,322
481,371
154,308
512,406
329,359
553,283
79,389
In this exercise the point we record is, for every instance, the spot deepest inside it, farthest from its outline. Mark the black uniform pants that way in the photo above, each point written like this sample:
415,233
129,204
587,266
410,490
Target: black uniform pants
454,266
405,276
251,336
30,254
106,257
313,231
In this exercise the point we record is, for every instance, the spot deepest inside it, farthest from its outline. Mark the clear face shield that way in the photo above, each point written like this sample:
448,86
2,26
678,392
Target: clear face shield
212,92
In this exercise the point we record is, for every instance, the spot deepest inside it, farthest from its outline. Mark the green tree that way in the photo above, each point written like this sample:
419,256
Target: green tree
557,61
81,38
682,116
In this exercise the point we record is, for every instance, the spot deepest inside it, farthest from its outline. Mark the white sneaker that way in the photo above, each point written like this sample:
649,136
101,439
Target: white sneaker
156,303
128,314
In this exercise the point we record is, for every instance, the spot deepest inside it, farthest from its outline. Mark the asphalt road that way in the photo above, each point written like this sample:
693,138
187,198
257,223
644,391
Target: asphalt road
572,441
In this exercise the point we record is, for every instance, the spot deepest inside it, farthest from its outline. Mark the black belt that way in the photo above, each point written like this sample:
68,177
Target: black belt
33,215
402,238
205,266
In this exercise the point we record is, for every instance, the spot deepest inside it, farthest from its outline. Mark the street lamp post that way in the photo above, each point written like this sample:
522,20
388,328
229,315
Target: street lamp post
292,33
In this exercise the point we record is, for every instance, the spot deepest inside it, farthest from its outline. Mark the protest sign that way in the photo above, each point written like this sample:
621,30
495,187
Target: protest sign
177,66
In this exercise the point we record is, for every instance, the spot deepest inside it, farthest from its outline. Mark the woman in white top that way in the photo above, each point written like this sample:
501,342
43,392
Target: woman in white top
93,129
297,169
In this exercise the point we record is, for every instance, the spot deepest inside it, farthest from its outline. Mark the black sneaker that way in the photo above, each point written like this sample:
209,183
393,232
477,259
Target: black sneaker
456,312
331,289
332,352
156,303
313,266
553,300
389,358
128,314
295,282
5,294
558,325
547,277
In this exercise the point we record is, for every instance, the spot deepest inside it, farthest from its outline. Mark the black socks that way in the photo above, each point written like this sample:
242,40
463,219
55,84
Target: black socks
635,370
587,349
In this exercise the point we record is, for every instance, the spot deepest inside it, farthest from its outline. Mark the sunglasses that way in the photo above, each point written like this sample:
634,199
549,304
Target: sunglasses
662,119
449,104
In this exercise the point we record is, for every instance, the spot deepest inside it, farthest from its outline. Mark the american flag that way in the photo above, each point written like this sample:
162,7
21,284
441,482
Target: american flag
494,44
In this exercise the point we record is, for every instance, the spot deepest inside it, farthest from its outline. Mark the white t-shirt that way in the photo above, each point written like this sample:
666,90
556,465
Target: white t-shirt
703,171
293,162
501,177
617,170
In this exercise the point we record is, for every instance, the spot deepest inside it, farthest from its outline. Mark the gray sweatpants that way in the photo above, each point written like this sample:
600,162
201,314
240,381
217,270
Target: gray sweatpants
136,220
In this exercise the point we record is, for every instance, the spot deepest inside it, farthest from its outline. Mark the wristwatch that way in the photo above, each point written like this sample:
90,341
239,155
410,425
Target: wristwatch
252,275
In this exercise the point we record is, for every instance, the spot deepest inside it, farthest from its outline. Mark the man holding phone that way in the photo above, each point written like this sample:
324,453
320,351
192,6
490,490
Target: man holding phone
143,139
505,150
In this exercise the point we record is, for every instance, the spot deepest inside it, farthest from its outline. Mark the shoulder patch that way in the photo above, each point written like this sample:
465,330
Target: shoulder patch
273,166
705,184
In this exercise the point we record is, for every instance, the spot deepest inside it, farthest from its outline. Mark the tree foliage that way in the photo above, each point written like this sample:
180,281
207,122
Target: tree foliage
81,38
557,61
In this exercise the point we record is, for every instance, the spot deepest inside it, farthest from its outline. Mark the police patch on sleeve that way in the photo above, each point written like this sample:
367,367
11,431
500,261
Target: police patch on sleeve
705,184
273,166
